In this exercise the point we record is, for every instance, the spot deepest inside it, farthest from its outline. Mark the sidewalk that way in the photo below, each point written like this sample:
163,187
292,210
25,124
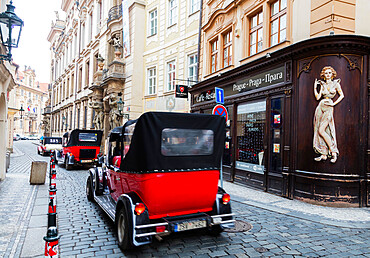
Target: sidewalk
341,217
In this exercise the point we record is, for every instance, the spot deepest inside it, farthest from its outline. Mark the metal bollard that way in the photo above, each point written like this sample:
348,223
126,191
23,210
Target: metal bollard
52,182
52,211
51,242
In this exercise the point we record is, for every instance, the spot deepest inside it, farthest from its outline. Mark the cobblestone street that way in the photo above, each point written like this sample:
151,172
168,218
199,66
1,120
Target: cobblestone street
86,231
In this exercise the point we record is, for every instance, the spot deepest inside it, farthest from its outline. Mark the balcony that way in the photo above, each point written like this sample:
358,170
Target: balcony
115,13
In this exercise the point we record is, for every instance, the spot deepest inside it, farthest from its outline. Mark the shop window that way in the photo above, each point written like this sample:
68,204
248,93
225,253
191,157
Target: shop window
251,120
256,33
227,49
278,22
214,55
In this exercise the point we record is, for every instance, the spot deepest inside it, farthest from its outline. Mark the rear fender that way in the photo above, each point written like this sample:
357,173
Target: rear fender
220,208
129,201
98,180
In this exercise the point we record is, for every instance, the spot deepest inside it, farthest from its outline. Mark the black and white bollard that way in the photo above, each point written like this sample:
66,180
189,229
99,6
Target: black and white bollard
51,242
52,210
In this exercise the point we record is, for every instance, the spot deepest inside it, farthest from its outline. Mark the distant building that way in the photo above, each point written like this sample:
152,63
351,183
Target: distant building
31,95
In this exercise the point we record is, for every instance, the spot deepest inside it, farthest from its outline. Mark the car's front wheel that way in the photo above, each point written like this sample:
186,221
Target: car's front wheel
123,230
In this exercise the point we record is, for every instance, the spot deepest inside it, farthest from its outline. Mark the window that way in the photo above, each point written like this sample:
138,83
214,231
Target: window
87,70
92,119
171,73
194,6
278,22
152,77
172,12
85,117
251,121
153,23
227,49
186,142
256,34
78,118
80,79
214,55
87,137
193,66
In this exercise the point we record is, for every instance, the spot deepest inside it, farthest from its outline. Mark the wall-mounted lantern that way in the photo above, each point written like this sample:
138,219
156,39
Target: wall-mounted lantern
10,30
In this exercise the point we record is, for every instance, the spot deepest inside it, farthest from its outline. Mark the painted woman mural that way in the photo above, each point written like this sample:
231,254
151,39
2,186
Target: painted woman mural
324,138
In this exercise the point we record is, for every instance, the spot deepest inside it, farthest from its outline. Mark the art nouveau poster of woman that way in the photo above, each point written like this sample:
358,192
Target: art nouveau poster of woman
324,139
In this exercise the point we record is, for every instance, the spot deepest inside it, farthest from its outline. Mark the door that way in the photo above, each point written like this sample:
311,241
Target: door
274,173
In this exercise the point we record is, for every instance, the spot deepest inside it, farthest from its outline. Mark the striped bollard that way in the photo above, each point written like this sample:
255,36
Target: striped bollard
51,242
52,210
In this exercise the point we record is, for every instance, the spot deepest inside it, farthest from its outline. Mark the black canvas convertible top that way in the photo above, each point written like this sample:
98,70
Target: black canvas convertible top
145,153
76,137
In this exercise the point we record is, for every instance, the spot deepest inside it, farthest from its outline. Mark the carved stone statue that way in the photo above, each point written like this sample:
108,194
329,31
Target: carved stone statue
99,115
324,139
114,115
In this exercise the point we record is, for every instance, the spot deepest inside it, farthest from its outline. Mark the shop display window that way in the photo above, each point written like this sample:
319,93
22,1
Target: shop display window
251,120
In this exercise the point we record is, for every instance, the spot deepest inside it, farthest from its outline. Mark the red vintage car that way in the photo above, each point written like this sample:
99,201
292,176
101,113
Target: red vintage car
160,175
80,147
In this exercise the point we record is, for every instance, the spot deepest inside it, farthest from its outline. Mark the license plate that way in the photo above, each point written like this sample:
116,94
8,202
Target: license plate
86,161
188,225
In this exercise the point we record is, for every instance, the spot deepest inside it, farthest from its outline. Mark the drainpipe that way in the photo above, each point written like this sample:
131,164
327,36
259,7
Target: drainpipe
199,36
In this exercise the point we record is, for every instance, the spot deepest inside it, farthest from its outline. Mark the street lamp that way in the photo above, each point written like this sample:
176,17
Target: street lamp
21,110
10,30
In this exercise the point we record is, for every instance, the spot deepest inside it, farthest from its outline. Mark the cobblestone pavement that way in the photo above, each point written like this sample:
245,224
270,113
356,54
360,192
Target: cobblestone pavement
86,231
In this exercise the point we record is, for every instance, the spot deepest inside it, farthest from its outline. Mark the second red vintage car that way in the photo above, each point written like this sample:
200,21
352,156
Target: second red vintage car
161,175
80,147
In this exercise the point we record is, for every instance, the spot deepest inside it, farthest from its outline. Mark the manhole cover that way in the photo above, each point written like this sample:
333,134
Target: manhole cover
261,249
240,226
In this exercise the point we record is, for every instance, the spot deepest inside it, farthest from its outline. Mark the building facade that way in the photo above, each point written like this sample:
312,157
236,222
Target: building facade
295,76
171,53
128,52
31,96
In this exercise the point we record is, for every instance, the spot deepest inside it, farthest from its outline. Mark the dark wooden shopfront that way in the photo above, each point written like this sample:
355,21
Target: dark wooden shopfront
271,105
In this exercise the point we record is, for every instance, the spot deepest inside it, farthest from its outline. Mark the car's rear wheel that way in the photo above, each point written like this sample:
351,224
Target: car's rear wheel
123,230
215,230
67,165
89,190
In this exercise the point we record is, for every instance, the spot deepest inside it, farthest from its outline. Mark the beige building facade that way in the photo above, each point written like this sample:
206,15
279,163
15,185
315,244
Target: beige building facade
30,95
171,53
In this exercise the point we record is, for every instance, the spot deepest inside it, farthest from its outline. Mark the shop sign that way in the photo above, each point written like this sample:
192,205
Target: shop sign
257,81
204,96
181,91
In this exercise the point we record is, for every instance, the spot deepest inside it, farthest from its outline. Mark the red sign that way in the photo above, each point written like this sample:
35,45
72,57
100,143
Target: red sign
221,111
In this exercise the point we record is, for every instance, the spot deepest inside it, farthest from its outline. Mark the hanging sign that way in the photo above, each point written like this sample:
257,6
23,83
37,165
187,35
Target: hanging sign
181,91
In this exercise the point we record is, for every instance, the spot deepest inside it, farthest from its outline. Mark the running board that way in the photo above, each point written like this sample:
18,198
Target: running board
107,204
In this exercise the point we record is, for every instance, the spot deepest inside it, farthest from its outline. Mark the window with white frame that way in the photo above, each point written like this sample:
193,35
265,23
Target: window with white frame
172,12
192,68
194,6
152,80
171,73
153,22
278,22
